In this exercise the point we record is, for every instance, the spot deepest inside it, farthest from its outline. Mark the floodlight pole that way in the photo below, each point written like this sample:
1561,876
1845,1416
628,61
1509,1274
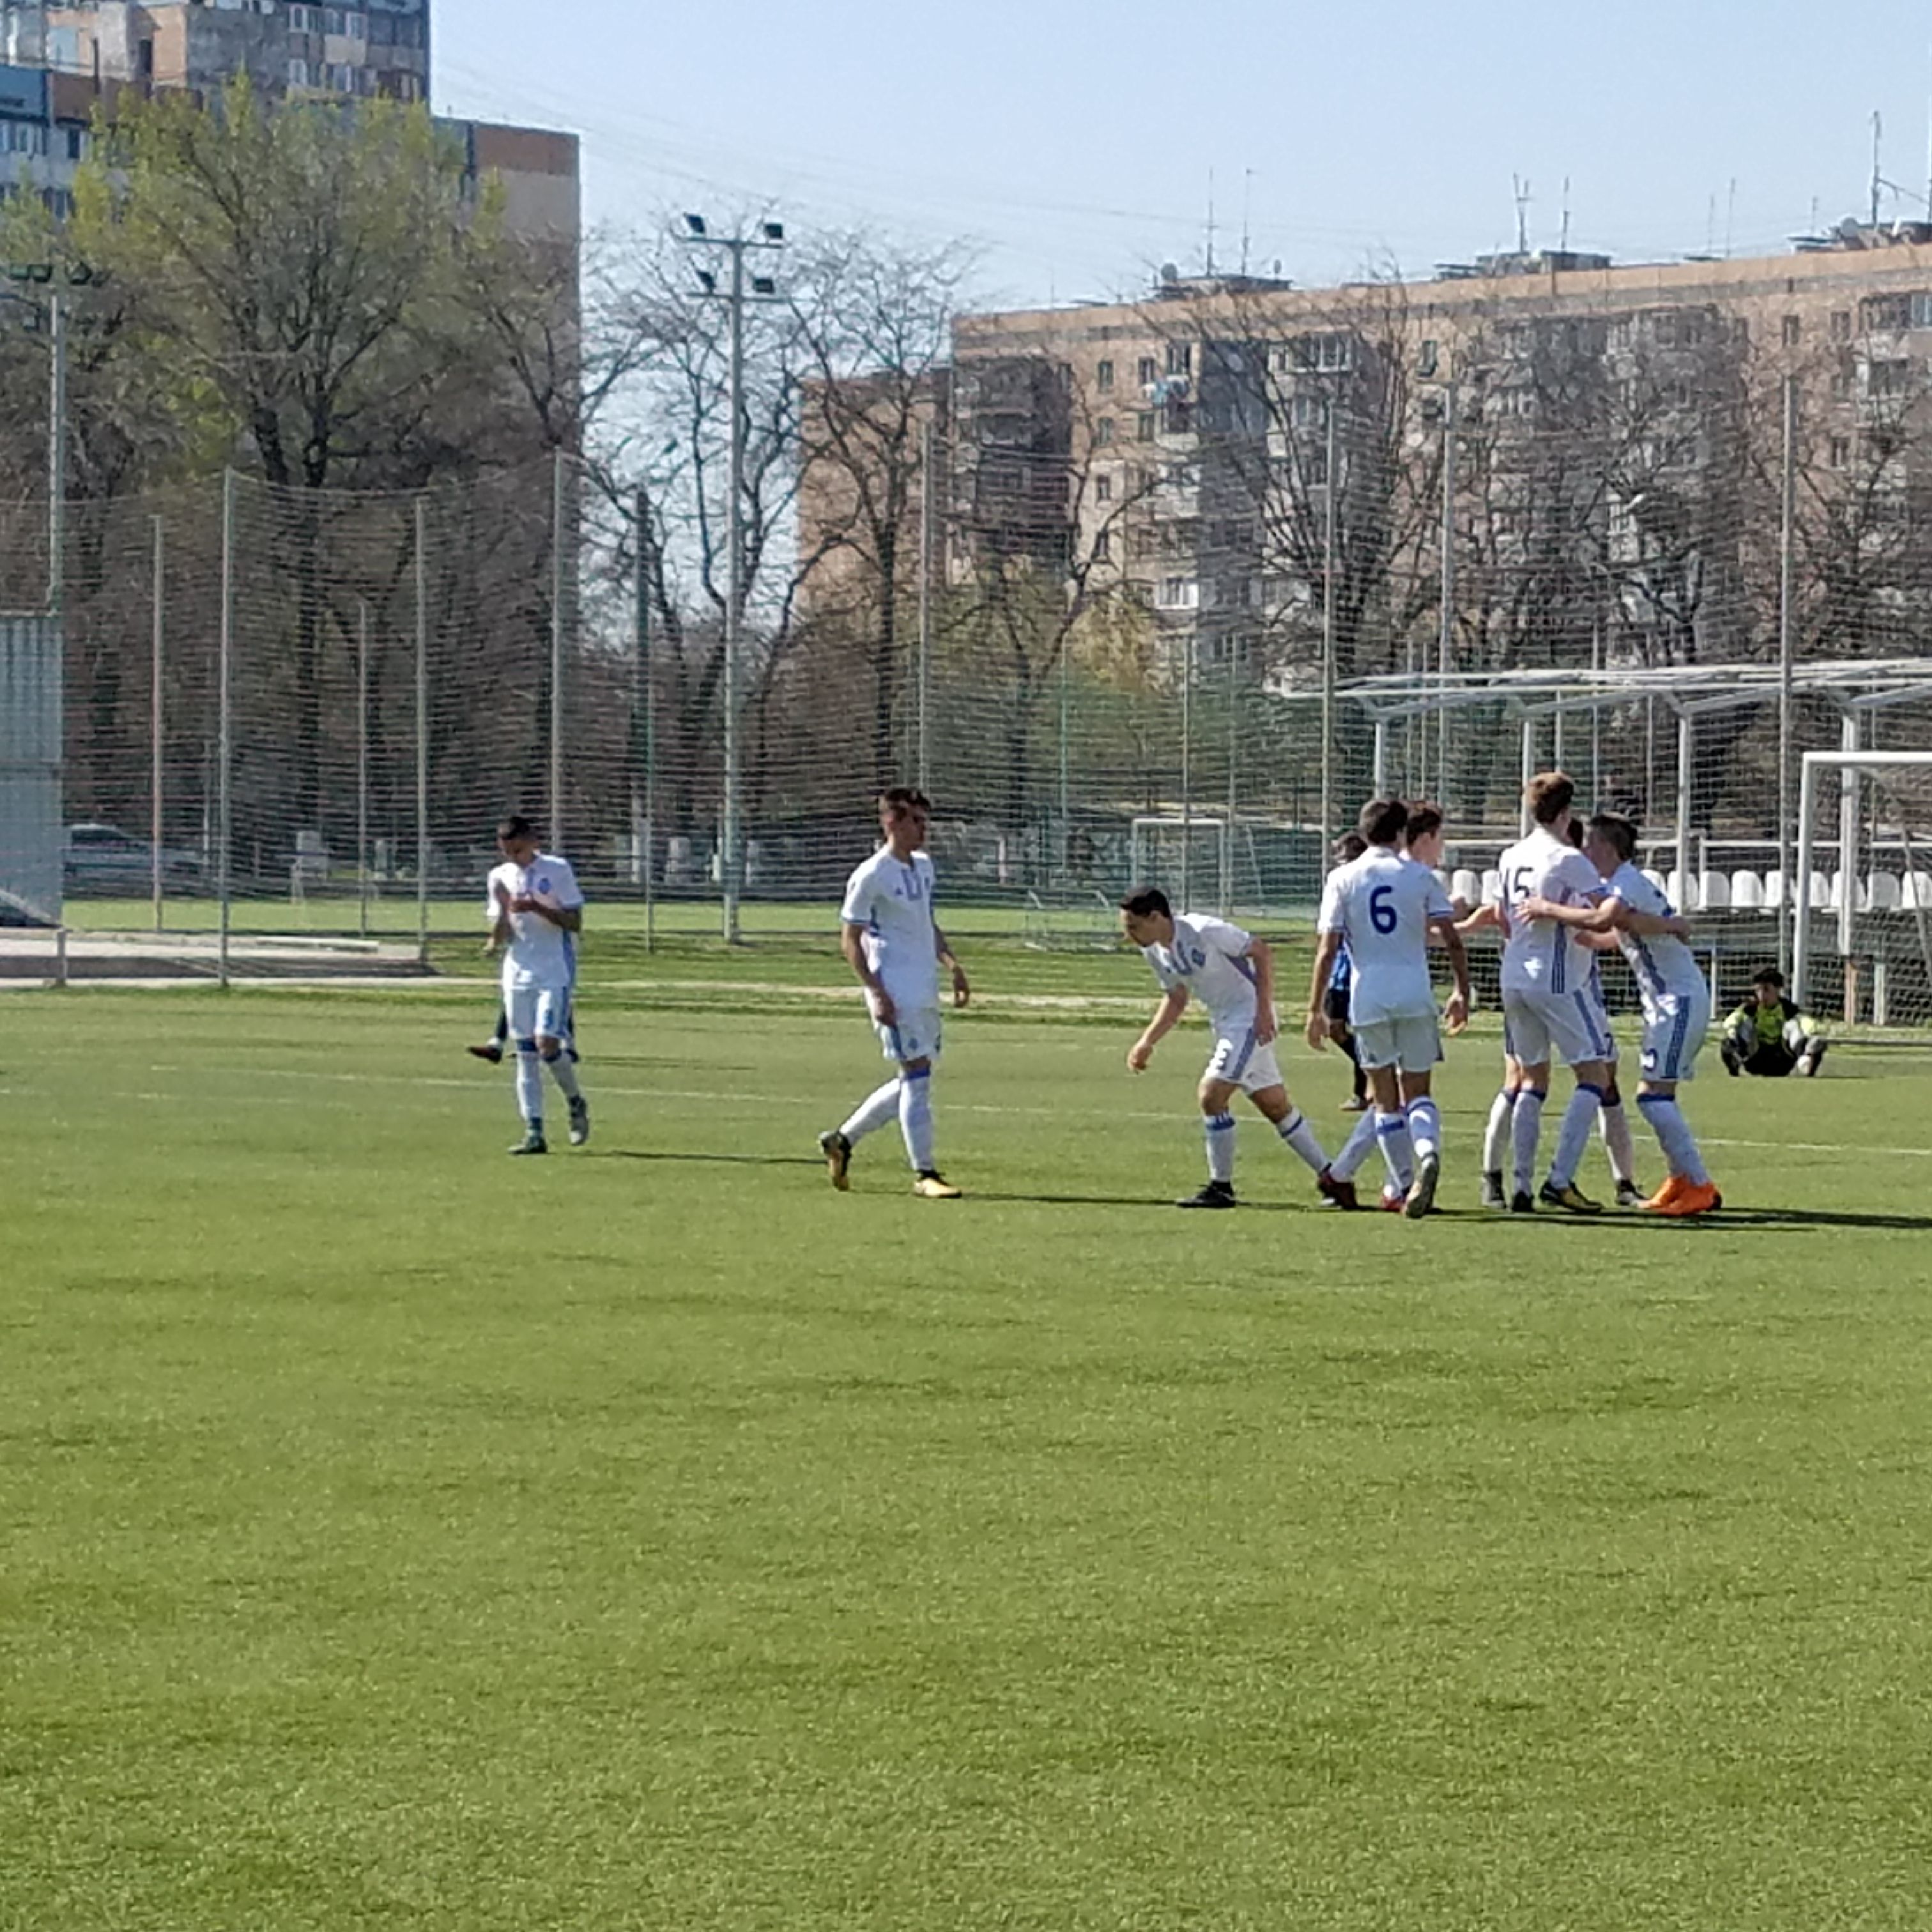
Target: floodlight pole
1445,641
57,439
927,531
157,720
1328,640
1787,619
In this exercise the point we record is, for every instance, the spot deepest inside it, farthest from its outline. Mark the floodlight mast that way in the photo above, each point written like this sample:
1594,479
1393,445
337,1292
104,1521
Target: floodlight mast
770,235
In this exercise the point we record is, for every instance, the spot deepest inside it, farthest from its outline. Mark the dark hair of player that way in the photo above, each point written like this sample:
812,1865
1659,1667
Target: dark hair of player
1383,821
1549,795
1770,976
514,825
1617,832
905,798
1147,902
1347,849
1423,819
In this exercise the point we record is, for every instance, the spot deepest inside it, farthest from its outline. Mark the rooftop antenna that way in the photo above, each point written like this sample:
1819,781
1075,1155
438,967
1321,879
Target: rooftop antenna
1564,244
1520,187
1730,218
1211,223
1878,178
1247,205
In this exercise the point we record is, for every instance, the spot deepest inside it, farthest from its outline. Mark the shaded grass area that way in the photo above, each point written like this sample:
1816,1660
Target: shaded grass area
398,1535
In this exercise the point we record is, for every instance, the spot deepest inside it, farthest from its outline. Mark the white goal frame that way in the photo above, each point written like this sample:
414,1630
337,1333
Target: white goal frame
1815,764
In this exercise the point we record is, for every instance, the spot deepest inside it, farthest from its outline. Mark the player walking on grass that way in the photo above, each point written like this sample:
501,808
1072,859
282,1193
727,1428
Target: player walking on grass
536,911
1676,1002
1232,974
891,940
1383,907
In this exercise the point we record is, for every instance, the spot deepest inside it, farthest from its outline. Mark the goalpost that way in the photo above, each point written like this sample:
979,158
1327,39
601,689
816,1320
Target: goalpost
1878,939
1186,857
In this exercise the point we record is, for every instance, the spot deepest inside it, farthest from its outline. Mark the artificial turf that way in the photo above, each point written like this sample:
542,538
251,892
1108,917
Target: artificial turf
397,1535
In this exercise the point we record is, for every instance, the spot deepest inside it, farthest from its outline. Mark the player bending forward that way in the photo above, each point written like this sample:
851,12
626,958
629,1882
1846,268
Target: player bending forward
1382,906
536,912
1676,1002
1232,974
891,940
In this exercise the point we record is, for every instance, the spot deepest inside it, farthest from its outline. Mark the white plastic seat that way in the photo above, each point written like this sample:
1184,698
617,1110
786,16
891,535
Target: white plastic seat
1492,886
1680,892
1824,893
1656,878
1775,899
1466,886
1916,894
1747,892
1883,893
1713,892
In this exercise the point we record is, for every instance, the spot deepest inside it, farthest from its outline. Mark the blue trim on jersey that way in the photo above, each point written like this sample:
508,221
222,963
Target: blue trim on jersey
1239,961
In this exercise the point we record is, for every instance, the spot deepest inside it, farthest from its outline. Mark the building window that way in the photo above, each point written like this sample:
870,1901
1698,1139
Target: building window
298,73
1426,362
1841,451
1103,486
1922,311
1180,359
1178,419
1886,313
1103,546
1149,371
1103,432
1178,593
1103,377
1793,329
1887,379
1841,325
1144,425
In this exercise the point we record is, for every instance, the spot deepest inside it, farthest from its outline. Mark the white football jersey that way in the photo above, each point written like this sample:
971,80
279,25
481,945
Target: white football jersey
892,898
1382,904
1209,957
1541,955
539,954
1660,964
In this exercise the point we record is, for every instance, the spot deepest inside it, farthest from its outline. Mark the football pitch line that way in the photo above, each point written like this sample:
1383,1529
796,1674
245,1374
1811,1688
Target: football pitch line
716,1096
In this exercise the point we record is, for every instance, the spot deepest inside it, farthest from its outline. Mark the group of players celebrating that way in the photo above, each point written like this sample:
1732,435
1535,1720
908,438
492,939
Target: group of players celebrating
1567,892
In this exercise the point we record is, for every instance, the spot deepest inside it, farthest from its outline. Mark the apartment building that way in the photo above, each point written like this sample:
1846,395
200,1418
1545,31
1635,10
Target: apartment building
1610,423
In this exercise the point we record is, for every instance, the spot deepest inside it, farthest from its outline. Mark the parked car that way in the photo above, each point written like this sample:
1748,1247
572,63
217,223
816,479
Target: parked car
102,858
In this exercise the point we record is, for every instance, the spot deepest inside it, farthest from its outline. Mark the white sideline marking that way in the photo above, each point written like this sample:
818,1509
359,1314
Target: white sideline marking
717,1097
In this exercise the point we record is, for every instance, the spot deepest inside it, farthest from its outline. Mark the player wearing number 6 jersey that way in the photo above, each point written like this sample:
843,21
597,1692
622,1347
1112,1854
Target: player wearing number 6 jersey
1382,906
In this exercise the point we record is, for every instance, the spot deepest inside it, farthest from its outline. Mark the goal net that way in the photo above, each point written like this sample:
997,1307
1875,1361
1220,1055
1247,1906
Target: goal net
1862,949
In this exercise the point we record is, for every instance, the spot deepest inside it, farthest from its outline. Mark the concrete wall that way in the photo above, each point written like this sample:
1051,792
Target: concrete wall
32,839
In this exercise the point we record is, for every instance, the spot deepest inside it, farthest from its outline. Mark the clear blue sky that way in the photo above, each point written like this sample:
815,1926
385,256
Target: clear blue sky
1075,142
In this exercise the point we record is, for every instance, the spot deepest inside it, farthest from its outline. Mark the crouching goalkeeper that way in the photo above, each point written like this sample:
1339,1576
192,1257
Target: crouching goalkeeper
1770,1035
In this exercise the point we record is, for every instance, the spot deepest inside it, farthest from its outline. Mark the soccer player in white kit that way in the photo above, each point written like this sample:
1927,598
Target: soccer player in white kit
1383,907
891,940
1550,1008
536,911
1676,1002
1232,974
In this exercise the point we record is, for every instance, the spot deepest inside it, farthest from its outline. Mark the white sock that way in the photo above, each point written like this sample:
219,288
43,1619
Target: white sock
1392,1130
1425,1125
915,1120
1220,1129
565,1074
1357,1148
1526,1130
872,1113
1300,1136
1618,1144
1672,1130
529,1085
1496,1135
1579,1121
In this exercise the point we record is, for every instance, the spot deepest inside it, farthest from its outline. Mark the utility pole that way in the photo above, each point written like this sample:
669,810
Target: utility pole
1328,641
1445,641
57,461
739,289
1787,623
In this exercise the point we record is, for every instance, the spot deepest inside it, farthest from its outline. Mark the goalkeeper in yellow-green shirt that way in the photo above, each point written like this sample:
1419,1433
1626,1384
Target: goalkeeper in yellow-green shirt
1770,1034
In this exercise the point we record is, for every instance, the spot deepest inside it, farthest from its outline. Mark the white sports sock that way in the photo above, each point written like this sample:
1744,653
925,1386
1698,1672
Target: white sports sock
1425,1125
915,1120
1580,1119
1357,1148
1392,1130
872,1113
1526,1130
1496,1135
1618,1144
1681,1151
565,1074
1300,1136
1220,1129
530,1084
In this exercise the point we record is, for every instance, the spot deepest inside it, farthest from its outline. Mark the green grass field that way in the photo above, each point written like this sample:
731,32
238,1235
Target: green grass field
396,1535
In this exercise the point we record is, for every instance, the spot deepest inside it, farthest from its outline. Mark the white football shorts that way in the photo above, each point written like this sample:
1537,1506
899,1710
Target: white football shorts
539,1012
1239,1058
914,1034
1674,1025
1539,1027
1414,1044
